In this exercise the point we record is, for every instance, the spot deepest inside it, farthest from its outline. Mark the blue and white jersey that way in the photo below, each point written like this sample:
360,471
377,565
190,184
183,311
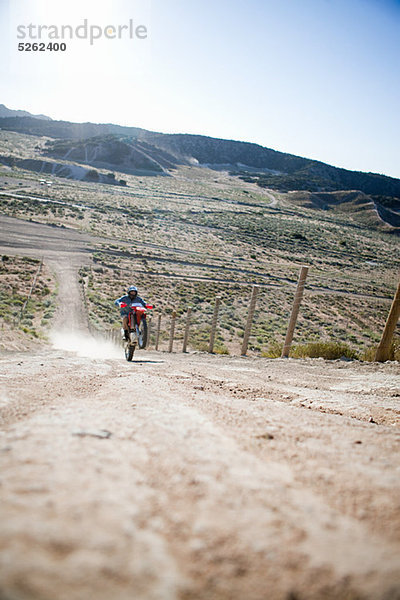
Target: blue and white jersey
138,301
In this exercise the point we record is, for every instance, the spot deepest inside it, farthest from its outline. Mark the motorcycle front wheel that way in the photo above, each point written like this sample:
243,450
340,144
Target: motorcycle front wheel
129,350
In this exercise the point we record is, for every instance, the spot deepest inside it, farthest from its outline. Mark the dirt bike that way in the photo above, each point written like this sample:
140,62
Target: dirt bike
137,328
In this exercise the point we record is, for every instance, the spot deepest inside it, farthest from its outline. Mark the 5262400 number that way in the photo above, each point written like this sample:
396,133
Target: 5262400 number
42,47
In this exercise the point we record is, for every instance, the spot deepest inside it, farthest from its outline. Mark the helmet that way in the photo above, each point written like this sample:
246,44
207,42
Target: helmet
132,288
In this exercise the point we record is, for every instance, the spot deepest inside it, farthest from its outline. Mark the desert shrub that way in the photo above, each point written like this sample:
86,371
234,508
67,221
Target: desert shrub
274,350
30,331
396,350
368,354
220,348
92,175
327,350
200,346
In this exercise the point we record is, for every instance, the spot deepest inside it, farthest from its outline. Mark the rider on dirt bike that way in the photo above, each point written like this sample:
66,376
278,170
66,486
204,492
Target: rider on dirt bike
130,298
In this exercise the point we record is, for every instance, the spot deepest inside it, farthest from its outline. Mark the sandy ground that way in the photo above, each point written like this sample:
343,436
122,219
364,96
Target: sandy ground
193,476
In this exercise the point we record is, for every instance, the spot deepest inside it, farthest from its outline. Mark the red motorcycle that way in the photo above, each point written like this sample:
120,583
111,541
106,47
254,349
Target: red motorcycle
137,327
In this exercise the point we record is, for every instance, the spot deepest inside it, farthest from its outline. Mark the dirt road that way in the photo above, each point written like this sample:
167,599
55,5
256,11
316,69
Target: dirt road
63,250
190,477
198,477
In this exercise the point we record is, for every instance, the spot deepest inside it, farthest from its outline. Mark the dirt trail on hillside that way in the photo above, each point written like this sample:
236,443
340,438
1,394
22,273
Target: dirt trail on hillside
70,311
64,251
198,477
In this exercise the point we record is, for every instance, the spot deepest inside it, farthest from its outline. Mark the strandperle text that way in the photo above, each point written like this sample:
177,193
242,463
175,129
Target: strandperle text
84,31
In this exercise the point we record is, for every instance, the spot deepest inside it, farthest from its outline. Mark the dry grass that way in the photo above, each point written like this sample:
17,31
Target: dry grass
17,313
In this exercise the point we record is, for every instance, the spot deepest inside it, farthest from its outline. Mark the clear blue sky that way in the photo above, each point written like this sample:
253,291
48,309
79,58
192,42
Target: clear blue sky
316,78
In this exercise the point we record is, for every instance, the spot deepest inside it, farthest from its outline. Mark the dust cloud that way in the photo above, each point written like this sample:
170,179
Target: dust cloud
85,345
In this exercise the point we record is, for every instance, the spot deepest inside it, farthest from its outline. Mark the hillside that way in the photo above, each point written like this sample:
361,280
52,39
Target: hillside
197,233
126,154
99,158
8,112
133,148
190,221
63,129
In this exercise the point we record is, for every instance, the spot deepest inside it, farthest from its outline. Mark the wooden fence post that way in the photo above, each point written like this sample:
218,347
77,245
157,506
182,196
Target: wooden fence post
383,350
295,311
148,333
250,317
185,340
158,331
172,332
214,324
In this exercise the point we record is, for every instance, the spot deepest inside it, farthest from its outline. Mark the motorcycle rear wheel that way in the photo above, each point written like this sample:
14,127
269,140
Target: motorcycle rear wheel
142,337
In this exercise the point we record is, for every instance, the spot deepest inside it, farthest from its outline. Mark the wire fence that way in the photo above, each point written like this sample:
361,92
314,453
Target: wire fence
322,308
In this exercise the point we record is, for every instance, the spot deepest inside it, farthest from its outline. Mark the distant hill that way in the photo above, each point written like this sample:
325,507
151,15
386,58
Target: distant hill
67,170
269,168
126,154
8,112
131,148
320,177
372,210
254,163
64,129
138,151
